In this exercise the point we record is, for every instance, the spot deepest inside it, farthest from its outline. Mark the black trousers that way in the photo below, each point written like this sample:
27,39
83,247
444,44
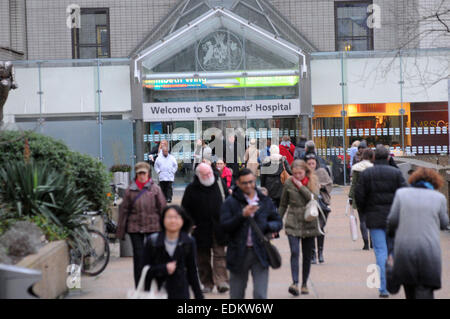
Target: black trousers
363,228
418,292
167,190
137,241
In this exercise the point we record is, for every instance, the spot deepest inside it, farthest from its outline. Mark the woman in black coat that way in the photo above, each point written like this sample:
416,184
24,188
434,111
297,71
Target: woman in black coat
171,255
271,171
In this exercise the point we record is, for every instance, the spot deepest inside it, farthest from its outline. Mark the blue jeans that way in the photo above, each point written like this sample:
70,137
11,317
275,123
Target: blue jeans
381,245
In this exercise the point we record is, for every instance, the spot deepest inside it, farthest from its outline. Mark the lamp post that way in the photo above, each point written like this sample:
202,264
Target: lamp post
347,47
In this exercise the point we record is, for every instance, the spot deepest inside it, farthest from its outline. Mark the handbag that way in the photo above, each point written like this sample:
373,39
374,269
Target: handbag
353,224
391,284
284,174
272,252
140,293
312,210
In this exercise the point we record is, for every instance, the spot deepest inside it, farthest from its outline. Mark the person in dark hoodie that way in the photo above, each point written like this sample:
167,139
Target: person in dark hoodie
245,251
203,200
271,171
300,148
358,156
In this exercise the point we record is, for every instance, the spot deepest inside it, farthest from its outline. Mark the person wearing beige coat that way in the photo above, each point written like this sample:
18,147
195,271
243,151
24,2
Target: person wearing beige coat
251,157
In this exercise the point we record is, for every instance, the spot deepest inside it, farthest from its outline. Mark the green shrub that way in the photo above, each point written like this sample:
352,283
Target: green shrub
88,174
38,191
91,176
120,168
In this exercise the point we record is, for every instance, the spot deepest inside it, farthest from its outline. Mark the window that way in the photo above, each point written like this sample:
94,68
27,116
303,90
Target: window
91,40
352,31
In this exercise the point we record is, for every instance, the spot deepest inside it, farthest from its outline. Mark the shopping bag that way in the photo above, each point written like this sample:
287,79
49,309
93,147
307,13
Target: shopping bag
140,293
353,224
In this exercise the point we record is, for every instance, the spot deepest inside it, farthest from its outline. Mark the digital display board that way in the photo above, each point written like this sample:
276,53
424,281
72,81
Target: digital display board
189,84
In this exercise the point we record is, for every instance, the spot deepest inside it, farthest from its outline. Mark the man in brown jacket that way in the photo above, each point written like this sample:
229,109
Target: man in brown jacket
139,213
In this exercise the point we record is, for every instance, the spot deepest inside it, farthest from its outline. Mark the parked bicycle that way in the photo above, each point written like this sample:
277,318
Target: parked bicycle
96,254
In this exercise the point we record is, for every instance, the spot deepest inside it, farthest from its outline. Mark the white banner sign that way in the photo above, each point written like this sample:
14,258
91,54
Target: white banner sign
193,110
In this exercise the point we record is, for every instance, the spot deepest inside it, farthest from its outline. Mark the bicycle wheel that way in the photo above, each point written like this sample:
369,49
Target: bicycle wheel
95,261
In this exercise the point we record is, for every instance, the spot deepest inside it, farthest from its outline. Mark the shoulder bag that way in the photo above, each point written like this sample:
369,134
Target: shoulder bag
312,213
284,174
272,252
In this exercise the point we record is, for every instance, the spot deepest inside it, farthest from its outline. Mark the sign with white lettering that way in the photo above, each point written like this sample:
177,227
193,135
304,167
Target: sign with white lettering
207,109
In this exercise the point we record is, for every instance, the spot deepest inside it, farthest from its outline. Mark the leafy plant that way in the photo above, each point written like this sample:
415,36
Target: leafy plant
38,191
92,178
88,174
120,168
51,231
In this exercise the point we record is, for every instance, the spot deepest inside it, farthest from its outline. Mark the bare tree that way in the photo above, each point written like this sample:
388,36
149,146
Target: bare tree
415,25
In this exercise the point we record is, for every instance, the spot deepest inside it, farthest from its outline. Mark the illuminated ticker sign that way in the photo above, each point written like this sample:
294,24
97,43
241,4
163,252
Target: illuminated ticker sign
189,84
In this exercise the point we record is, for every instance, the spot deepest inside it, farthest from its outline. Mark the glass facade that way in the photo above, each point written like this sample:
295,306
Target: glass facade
67,99
398,99
248,104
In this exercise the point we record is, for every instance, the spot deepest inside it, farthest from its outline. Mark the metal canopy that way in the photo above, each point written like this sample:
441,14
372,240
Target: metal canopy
215,19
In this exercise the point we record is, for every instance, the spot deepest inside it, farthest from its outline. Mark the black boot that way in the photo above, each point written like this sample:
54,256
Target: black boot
313,256
321,255
366,244
320,242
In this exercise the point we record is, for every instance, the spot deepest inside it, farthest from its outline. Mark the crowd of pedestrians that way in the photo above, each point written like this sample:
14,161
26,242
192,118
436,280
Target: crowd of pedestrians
211,240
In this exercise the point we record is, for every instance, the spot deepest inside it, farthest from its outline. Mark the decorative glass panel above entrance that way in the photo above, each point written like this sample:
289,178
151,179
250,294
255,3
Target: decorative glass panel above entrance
221,40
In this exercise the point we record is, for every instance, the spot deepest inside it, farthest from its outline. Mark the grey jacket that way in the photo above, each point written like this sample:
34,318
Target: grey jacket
415,218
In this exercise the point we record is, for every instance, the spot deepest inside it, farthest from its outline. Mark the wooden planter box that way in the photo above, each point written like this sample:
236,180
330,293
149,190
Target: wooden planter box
52,260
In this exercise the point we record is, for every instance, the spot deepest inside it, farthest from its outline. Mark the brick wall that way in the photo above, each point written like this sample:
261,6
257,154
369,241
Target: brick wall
49,37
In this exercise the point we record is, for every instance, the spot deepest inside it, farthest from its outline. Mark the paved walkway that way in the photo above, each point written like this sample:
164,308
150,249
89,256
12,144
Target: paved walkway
343,275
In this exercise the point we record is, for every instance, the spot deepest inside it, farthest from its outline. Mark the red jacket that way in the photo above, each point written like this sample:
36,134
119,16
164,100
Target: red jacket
226,174
288,152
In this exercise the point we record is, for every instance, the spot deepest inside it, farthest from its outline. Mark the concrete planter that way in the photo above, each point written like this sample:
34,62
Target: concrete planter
52,260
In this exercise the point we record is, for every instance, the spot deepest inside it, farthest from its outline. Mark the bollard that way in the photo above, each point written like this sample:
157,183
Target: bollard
17,282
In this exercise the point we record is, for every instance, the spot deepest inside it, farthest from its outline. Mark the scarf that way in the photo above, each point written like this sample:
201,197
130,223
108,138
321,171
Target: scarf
286,144
298,183
141,185
423,184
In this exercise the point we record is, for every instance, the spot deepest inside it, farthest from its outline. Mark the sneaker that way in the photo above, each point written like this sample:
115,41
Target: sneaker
223,288
384,295
293,290
207,290
305,290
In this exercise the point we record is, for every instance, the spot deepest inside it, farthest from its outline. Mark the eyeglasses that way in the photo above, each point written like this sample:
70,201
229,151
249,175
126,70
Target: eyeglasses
247,183
141,173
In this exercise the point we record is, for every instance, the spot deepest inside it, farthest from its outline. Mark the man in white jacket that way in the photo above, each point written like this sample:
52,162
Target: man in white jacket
166,166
